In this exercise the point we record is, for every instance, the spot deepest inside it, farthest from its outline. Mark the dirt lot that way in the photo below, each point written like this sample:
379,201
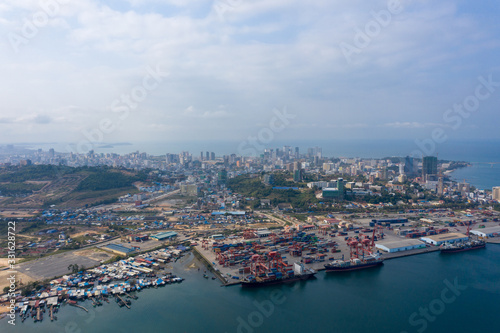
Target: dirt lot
19,277
16,213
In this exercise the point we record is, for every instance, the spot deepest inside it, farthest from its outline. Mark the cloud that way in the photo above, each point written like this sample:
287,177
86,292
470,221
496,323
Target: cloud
414,124
252,57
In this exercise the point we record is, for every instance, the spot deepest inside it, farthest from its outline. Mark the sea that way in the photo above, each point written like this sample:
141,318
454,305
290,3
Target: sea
422,293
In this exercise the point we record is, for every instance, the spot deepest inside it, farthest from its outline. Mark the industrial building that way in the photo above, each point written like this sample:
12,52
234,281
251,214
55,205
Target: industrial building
335,193
445,238
487,232
402,245
118,249
388,221
164,235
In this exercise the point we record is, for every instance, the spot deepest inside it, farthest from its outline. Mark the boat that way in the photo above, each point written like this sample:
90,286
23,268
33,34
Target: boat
298,273
462,246
353,264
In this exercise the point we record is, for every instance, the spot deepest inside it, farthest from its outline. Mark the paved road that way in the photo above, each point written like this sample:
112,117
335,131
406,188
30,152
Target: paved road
55,265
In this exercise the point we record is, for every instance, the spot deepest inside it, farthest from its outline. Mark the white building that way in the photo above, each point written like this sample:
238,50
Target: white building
451,237
496,193
487,232
402,245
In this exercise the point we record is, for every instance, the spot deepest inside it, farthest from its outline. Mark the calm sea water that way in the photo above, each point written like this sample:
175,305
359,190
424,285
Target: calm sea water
482,175
411,294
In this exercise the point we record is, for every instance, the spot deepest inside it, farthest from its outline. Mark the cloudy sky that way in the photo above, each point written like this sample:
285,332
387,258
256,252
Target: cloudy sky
155,70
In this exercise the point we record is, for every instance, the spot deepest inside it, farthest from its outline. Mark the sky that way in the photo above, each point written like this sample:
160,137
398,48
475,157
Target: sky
174,70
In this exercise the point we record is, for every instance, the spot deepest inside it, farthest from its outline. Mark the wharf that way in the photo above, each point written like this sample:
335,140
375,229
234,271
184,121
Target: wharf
394,255
124,303
495,240
79,306
213,269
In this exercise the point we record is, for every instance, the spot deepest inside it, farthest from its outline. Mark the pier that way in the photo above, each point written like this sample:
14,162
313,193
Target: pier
124,303
79,306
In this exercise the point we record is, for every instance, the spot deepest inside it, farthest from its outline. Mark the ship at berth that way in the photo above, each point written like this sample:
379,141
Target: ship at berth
271,269
362,256
468,245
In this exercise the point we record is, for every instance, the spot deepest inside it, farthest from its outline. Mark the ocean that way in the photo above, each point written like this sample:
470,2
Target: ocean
423,293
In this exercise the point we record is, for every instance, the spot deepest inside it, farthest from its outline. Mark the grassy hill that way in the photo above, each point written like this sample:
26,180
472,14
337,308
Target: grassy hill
38,186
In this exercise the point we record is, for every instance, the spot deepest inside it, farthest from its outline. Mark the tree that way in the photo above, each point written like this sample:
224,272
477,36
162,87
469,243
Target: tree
74,268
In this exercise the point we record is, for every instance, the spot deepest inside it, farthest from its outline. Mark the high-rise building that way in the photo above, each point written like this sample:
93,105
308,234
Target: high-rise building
297,175
212,156
222,176
496,193
429,166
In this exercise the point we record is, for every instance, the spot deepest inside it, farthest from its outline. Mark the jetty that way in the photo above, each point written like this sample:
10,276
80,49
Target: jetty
78,306
124,303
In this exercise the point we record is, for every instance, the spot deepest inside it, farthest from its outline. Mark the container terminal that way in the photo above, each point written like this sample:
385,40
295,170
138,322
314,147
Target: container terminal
332,240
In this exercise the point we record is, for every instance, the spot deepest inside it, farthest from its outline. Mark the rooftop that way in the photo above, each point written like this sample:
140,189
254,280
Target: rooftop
488,230
401,243
445,237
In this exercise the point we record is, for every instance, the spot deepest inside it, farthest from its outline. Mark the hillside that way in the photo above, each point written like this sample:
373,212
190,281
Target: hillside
39,186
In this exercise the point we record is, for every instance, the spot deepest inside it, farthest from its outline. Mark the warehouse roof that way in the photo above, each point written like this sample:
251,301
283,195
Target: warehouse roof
401,243
489,230
445,237
120,248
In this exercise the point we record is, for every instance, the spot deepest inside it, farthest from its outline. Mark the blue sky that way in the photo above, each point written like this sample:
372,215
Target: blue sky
231,63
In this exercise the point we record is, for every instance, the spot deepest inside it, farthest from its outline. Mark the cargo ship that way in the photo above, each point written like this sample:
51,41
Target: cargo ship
299,272
462,246
354,264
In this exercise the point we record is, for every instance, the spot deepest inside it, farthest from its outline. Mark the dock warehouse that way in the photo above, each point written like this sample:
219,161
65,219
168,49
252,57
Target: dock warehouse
445,238
486,232
388,221
118,249
164,235
402,245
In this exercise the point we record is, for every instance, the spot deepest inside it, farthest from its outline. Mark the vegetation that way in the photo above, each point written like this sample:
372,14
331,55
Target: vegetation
253,187
14,189
20,174
105,180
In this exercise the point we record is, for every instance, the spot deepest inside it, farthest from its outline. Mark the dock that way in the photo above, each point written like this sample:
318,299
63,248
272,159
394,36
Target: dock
124,303
79,306
212,269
